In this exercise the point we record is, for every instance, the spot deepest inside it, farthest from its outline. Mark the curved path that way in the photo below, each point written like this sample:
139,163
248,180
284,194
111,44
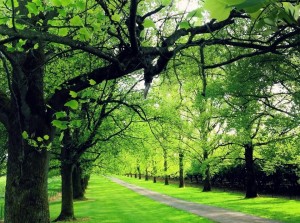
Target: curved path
212,213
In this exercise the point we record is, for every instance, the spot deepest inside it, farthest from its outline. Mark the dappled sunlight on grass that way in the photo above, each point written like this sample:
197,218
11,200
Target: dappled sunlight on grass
109,202
286,210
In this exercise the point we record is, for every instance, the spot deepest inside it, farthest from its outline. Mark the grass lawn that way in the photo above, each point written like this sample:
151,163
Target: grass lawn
285,210
109,202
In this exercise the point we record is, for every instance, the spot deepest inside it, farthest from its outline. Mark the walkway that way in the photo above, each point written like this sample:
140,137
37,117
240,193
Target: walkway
213,213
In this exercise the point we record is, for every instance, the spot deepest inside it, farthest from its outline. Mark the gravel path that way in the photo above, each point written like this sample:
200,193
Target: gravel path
212,213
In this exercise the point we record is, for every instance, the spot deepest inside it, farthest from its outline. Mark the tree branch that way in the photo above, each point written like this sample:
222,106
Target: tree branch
75,44
132,26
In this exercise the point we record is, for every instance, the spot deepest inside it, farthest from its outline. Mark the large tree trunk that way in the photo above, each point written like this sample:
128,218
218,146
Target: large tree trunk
181,171
251,185
78,184
26,196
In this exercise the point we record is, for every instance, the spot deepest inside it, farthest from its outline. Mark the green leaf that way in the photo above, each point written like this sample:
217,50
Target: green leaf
148,23
63,32
251,6
72,104
267,32
32,8
65,3
61,114
80,4
116,17
92,82
39,139
217,9
25,135
36,46
46,137
62,125
166,2
62,12
56,3
184,25
73,94
85,34
37,2
76,21
255,15
269,21
61,136
76,123
195,13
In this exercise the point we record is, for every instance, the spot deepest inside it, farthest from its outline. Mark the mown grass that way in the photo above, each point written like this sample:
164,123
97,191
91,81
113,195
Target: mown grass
285,210
109,202
2,194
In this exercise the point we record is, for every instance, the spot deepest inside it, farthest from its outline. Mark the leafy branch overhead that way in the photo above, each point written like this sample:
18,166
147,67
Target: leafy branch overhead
127,37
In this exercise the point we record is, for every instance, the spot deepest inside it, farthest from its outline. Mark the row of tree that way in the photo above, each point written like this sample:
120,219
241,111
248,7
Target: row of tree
249,113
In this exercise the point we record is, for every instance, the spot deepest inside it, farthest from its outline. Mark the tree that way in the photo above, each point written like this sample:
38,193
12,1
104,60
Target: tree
253,123
105,119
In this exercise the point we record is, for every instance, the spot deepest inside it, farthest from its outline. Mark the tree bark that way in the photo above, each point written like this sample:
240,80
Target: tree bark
206,180
154,179
67,209
146,175
85,182
181,170
67,166
139,172
166,167
78,183
251,184
26,196
154,172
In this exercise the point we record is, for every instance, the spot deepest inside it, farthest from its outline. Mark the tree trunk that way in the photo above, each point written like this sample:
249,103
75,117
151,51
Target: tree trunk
166,166
251,185
85,182
139,172
67,166
154,172
147,175
78,183
206,180
181,174
26,196
67,209
154,179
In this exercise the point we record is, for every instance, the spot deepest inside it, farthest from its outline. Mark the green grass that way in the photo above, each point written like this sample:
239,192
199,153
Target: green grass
110,202
285,210
54,187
